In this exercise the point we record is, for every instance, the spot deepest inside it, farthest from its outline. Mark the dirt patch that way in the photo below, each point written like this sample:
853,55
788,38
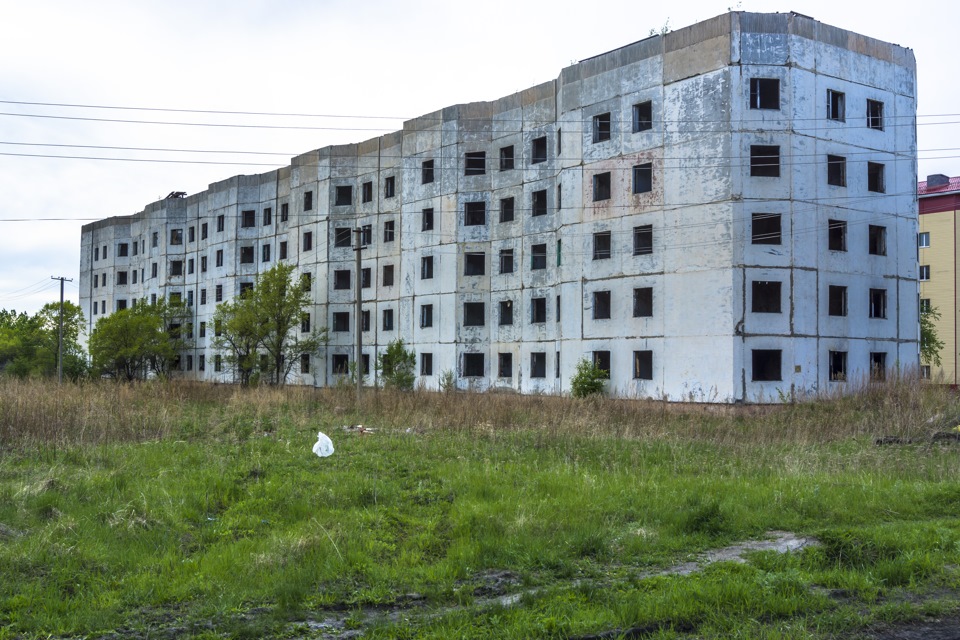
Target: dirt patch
941,629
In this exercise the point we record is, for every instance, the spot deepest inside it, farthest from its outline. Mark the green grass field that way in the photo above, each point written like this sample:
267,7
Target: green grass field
200,511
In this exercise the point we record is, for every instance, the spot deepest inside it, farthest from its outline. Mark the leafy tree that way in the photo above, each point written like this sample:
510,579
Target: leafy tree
268,320
397,366
134,342
29,344
930,343
588,379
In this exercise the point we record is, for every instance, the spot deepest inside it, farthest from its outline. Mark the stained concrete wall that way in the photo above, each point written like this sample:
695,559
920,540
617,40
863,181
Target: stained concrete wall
702,332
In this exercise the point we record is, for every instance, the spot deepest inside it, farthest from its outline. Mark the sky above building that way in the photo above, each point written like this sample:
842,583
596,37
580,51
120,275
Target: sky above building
107,106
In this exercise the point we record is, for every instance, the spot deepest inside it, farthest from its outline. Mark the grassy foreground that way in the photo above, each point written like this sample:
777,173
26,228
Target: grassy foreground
126,511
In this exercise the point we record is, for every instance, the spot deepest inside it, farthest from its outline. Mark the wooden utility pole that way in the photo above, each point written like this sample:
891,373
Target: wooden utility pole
60,339
359,311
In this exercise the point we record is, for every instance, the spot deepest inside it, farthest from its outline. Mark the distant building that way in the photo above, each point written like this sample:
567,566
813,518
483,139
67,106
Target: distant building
723,213
937,252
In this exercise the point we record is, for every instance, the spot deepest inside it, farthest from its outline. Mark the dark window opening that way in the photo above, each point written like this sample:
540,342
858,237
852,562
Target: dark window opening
473,365
343,196
878,366
426,172
304,363
764,93
307,200
506,209
387,319
766,296
427,220
766,228
838,365
505,365
601,305
341,279
426,315
176,237
766,365
643,365
765,161
387,279
267,217
122,250
643,178
837,171
475,214
341,364
538,256
540,202
246,255
878,303
203,231
122,275
601,186
837,300
836,105
247,219
366,235
365,277
266,253
601,245
475,163
837,235
643,302
305,323
538,150
878,240
307,240
365,326
538,310
426,267
875,114
341,237
474,314
220,222
284,212
875,181
601,361
506,158
341,321
389,230
643,116
506,261
283,250
366,192
474,264
643,240
390,187
426,364
506,312
601,127
538,364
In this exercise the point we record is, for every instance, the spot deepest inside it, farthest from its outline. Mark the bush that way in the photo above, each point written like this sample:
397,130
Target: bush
397,366
588,379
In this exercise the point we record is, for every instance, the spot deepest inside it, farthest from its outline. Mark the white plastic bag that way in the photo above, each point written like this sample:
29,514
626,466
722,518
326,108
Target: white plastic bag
324,446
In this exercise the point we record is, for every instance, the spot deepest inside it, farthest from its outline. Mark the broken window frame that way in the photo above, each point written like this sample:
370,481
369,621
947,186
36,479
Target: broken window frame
642,116
836,105
602,127
765,93
836,170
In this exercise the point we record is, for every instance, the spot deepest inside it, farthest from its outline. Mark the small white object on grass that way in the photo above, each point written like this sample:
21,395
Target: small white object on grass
324,446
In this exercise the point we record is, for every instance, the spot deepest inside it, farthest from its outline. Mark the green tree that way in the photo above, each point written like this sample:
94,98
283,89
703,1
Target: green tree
930,343
588,379
269,320
134,342
29,344
397,366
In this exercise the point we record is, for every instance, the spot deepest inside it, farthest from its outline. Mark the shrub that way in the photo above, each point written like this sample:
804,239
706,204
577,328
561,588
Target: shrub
397,366
588,379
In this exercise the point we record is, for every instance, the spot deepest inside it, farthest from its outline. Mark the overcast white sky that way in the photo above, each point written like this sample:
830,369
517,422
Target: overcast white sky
391,59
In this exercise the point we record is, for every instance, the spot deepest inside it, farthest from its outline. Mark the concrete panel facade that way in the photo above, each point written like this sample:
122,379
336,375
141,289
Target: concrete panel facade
666,209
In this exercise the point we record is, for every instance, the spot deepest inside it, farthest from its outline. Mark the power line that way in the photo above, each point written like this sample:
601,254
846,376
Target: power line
195,124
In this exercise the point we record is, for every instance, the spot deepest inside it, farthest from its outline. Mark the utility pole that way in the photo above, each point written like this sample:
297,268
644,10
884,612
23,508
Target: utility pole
359,312
60,340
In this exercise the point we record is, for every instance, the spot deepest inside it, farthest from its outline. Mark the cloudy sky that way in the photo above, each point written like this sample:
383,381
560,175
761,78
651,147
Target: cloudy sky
106,106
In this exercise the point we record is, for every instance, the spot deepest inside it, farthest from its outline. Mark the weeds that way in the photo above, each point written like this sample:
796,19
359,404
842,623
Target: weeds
196,506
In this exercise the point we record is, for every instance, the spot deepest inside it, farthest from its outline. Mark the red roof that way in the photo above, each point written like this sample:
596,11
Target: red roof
952,185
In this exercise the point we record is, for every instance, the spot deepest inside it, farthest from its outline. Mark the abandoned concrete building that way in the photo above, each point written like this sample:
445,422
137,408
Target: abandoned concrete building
723,213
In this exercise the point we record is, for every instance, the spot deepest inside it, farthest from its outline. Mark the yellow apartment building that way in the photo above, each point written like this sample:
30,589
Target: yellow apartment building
938,243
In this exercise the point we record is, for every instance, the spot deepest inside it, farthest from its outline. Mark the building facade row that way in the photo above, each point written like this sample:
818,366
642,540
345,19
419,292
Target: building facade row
722,213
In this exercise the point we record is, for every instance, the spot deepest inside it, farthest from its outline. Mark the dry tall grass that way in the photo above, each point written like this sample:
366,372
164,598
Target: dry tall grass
34,413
